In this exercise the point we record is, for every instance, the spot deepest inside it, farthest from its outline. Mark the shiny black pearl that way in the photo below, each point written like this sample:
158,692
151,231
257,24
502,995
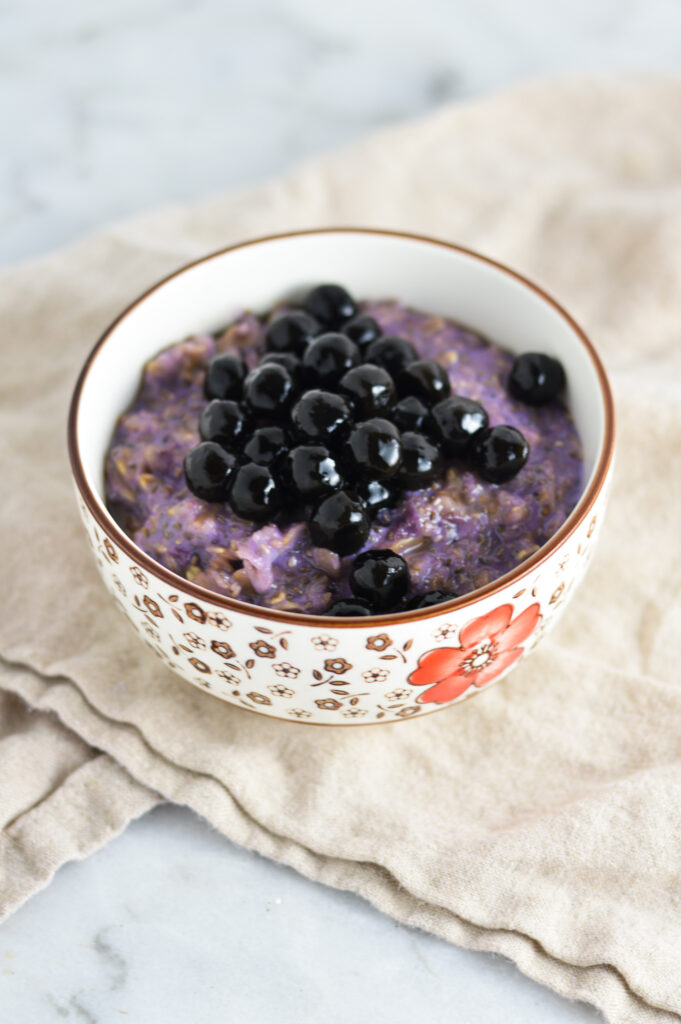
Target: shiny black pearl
498,453
225,422
309,472
426,379
321,416
431,598
377,494
208,470
380,577
391,353
225,376
330,305
411,413
340,523
369,388
422,462
291,332
373,450
456,420
328,358
289,362
255,493
269,390
348,606
362,330
536,379
266,445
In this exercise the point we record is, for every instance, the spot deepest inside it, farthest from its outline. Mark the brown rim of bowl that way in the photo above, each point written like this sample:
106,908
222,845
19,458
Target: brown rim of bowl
576,517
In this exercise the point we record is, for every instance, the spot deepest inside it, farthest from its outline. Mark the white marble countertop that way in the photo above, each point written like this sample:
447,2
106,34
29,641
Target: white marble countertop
108,109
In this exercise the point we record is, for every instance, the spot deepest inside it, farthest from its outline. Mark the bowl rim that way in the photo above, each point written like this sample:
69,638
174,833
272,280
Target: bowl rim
193,590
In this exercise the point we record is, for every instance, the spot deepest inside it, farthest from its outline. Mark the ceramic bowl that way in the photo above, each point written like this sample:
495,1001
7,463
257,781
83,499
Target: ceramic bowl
308,668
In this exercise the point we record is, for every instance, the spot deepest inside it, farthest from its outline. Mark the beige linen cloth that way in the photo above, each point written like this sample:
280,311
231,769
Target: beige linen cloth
541,820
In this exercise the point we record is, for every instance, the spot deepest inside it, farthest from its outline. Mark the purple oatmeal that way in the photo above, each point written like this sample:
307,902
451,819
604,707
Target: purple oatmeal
457,535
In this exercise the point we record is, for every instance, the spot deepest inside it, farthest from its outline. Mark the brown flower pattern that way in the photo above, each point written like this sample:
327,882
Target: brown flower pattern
152,606
151,631
119,586
219,620
195,641
199,665
286,670
281,691
110,550
337,665
139,577
354,713
324,642
259,698
195,611
407,712
228,677
299,713
378,642
375,675
328,704
399,694
262,649
445,632
223,649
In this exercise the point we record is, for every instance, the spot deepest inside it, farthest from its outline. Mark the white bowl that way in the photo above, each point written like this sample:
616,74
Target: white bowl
304,667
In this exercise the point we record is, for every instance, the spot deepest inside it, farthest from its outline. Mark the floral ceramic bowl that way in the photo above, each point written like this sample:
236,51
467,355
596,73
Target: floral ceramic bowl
309,668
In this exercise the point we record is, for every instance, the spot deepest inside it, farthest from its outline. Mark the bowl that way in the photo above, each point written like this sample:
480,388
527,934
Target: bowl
307,668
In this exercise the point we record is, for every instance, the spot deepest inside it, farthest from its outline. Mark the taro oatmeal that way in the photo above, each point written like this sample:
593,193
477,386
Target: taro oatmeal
342,459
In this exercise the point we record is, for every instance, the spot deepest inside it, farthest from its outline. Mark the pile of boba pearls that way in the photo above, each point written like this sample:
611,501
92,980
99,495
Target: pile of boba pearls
340,419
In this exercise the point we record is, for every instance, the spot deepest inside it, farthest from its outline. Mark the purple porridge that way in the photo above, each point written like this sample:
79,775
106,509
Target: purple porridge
457,535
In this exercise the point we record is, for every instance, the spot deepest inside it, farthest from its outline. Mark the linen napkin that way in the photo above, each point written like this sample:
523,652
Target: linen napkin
541,820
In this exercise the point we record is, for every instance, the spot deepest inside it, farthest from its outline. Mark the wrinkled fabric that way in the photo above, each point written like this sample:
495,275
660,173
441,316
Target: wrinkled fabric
541,820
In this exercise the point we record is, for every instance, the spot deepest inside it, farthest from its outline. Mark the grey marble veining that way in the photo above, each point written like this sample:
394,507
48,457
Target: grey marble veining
107,109
111,108
171,923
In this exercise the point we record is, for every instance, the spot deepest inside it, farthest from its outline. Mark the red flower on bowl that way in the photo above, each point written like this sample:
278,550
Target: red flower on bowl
487,647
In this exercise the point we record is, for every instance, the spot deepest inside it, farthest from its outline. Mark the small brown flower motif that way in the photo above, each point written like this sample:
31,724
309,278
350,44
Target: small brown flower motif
219,620
324,642
152,606
259,698
398,695
407,712
139,576
194,641
118,585
557,594
280,691
263,649
151,631
229,677
354,713
445,633
110,550
328,704
286,670
195,611
223,649
199,665
379,642
337,665
299,713
375,675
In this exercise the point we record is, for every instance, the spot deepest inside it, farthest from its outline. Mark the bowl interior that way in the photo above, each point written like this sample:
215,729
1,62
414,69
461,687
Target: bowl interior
427,275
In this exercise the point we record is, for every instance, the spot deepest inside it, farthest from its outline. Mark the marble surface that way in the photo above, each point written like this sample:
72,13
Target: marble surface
170,923
108,109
